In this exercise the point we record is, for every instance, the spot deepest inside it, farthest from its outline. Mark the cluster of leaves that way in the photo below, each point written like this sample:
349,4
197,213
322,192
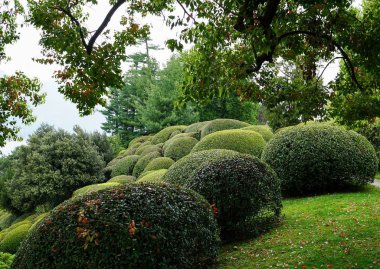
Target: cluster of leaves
6,260
125,227
316,158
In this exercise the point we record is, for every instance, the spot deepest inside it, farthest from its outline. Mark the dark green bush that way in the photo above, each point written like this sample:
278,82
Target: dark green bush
123,179
159,163
6,260
186,167
248,142
165,134
264,130
179,147
222,124
316,158
152,176
125,166
372,133
143,162
134,226
244,191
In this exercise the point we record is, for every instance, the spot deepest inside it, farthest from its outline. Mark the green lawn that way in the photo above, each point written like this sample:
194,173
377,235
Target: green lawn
329,231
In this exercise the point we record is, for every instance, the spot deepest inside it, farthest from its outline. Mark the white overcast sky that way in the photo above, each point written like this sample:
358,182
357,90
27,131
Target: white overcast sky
58,111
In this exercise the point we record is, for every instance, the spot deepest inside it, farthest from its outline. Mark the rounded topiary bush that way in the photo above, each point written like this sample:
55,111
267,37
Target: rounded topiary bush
143,162
165,134
186,167
124,166
95,187
196,128
123,179
148,149
222,124
159,163
153,176
264,130
12,240
136,142
320,157
248,142
244,192
179,147
134,226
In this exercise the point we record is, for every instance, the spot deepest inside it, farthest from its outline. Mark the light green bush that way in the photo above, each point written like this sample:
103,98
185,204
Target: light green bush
264,130
179,147
95,187
165,134
12,240
159,163
125,166
148,149
153,176
139,140
6,260
123,179
242,141
222,124
143,162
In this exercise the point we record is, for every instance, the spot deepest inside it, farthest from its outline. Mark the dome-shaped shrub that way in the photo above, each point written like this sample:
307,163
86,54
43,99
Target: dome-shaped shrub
320,157
152,176
244,191
139,140
143,162
179,147
222,124
125,166
196,129
159,163
248,142
186,167
134,226
165,134
148,149
264,130
95,187
12,240
123,179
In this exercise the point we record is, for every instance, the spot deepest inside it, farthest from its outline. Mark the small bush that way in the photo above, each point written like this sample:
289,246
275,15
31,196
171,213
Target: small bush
148,149
6,260
123,179
95,187
164,134
244,191
139,140
316,158
248,142
16,234
125,166
134,226
143,162
153,176
222,124
264,130
196,127
159,163
179,147
186,167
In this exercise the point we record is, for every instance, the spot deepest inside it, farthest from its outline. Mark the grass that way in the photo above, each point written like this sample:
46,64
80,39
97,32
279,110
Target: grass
328,231
377,175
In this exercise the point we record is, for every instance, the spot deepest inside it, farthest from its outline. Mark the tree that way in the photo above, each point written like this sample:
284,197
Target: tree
18,92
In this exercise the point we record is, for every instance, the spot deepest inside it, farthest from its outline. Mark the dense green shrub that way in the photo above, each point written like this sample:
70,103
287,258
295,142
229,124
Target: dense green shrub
264,130
196,127
143,162
134,226
124,166
139,140
244,191
179,147
154,176
186,167
95,187
6,219
6,260
123,179
372,133
165,134
13,238
320,157
159,163
148,149
243,141
50,167
222,124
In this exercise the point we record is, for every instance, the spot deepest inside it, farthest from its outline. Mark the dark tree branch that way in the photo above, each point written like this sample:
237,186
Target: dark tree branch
270,12
185,11
324,69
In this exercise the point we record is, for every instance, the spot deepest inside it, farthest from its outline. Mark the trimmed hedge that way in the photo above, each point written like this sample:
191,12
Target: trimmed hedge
165,134
222,124
123,179
264,130
124,166
6,260
13,238
316,158
148,149
159,163
196,129
244,192
248,142
134,226
95,187
139,140
180,172
153,176
179,147
143,162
